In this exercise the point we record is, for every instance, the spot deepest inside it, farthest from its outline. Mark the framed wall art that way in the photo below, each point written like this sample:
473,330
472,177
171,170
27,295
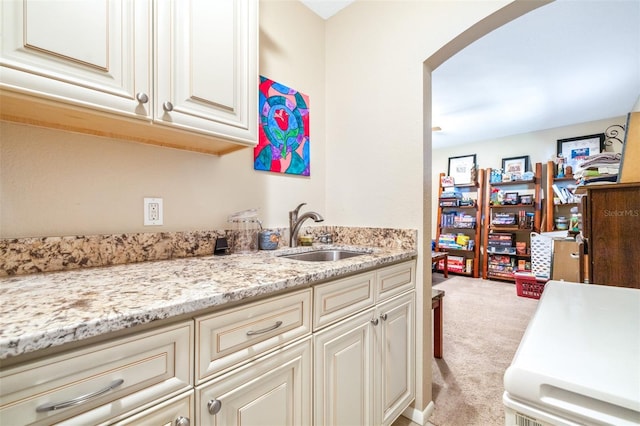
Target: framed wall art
575,150
462,169
283,134
515,166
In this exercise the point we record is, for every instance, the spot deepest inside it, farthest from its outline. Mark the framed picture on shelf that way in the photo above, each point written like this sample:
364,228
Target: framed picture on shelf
510,198
515,166
575,150
447,181
526,199
462,169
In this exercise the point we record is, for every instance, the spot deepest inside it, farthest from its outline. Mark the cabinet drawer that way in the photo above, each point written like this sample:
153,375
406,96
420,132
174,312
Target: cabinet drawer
395,279
141,369
233,336
338,299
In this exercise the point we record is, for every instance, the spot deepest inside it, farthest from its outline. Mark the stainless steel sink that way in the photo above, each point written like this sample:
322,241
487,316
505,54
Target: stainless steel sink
323,255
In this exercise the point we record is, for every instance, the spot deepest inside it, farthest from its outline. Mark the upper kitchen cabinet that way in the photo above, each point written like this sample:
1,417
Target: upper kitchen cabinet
178,74
206,66
92,53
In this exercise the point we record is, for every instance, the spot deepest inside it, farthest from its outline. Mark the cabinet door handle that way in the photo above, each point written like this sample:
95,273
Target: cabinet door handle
264,330
383,317
142,97
167,106
182,421
375,321
214,406
79,400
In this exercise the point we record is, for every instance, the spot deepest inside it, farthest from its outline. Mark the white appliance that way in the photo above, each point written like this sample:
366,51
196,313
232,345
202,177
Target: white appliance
579,360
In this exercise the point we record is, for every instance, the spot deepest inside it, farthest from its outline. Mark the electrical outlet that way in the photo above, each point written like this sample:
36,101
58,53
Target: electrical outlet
153,211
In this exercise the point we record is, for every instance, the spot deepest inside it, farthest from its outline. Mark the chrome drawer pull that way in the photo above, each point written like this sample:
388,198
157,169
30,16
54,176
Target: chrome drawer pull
264,330
80,399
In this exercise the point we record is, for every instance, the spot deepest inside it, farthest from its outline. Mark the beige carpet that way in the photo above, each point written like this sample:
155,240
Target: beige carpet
483,324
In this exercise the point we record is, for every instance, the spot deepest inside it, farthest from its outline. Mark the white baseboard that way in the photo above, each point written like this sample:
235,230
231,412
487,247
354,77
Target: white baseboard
417,416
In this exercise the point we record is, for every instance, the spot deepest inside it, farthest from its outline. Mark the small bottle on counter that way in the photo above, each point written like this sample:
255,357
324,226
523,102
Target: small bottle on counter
305,240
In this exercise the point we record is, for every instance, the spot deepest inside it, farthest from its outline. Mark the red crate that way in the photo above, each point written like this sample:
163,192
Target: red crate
528,285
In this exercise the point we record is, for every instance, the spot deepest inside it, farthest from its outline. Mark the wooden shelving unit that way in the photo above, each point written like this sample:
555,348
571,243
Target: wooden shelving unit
475,191
500,263
553,210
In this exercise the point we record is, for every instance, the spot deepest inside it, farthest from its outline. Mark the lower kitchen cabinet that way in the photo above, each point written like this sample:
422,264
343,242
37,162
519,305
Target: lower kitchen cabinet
341,352
177,411
103,383
364,365
344,372
396,345
273,390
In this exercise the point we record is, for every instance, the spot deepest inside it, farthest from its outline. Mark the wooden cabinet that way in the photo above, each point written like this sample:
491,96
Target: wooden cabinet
249,371
508,225
180,74
396,347
272,390
177,411
611,225
102,383
365,362
459,225
560,198
344,372
271,361
93,53
206,67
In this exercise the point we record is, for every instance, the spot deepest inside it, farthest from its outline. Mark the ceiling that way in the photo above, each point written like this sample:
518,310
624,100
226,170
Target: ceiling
564,63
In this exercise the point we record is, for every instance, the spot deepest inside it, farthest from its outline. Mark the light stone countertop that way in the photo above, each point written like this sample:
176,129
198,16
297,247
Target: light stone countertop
50,309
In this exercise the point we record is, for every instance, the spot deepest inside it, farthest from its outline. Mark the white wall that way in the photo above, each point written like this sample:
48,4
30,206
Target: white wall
376,143
539,146
57,183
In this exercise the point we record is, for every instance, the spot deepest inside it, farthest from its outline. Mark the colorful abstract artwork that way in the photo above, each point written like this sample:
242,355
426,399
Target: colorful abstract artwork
283,140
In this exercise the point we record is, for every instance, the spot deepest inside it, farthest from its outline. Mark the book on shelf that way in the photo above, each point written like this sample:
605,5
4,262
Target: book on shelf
501,250
457,220
559,194
564,194
455,242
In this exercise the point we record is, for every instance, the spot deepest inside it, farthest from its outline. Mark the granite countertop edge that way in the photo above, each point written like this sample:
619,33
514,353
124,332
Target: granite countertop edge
47,310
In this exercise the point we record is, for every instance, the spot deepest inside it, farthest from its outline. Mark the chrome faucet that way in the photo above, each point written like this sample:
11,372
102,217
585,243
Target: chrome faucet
295,223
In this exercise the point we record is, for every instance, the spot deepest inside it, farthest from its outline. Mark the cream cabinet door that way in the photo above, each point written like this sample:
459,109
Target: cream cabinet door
273,390
91,53
343,372
177,411
206,67
396,355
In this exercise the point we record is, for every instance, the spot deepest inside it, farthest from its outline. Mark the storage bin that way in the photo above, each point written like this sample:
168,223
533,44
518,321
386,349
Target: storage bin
528,285
541,255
